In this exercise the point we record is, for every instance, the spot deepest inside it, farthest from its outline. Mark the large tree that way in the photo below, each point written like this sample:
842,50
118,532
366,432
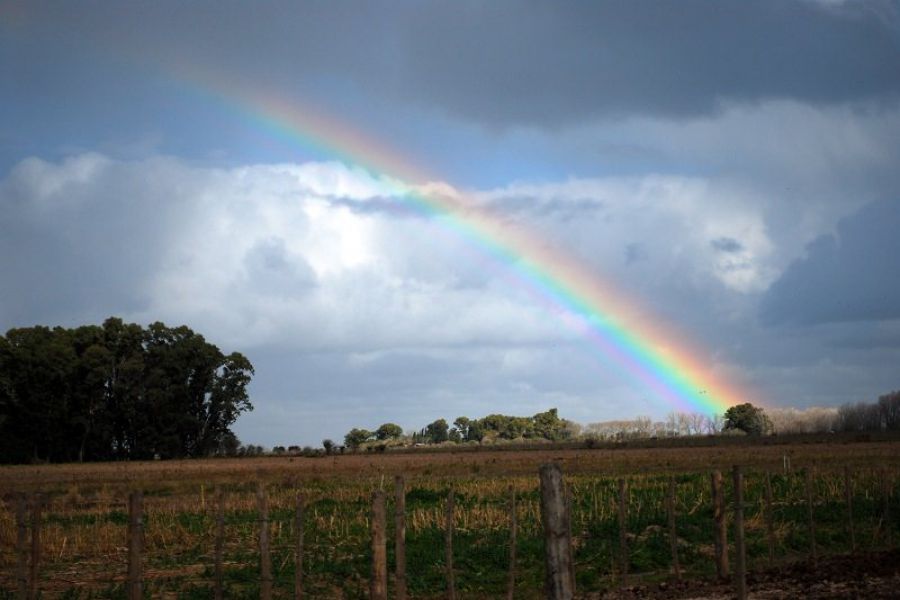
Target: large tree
116,392
437,431
750,419
389,431
357,437
889,405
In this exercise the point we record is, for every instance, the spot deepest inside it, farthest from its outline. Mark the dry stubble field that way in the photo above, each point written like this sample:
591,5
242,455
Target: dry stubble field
83,525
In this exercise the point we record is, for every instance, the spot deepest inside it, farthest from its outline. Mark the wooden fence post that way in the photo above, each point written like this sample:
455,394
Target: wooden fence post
673,533
810,509
21,546
570,512
378,581
740,565
770,519
848,498
400,536
886,500
299,524
135,589
513,530
265,558
719,525
559,583
448,545
34,574
623,529
219,543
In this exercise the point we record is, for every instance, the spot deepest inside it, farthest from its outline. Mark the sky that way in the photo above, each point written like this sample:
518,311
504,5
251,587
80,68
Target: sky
729,171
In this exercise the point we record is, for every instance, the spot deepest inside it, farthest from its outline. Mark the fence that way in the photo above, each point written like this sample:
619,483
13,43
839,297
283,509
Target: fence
588,532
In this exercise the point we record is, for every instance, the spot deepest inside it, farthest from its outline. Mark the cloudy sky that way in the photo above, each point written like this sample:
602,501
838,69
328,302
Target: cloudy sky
732,167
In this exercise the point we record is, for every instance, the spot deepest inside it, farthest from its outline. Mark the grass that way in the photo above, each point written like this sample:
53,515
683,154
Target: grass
83,528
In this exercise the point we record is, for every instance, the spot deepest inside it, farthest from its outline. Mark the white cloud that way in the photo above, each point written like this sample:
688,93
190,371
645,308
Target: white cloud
817,163
664,225
322,256
287,254
43,182
341,293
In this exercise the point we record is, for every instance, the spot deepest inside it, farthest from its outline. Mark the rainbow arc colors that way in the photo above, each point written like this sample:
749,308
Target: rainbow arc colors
641,348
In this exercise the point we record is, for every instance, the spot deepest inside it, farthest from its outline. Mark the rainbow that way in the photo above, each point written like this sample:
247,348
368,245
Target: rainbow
641,347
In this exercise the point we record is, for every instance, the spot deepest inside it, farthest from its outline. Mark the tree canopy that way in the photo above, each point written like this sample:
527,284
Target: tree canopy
545,425
356,437
750,419
117,391
389,431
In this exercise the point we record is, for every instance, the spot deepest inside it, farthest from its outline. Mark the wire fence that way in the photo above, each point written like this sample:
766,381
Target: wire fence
432,536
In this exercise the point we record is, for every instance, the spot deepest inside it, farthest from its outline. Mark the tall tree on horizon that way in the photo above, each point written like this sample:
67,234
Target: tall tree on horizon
116,391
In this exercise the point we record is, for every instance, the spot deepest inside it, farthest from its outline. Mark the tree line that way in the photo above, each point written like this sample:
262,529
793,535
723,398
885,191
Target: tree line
117,391
741,419
545,425
881,415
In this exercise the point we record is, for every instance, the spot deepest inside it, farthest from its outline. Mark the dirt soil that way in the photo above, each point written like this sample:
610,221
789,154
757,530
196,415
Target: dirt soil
484,462
872,575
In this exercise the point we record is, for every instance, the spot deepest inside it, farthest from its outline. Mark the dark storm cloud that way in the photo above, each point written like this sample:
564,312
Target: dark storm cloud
68,252
508,63
868,337
854,276
561,62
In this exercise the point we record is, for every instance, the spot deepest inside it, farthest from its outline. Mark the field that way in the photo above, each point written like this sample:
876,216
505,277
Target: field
83,523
